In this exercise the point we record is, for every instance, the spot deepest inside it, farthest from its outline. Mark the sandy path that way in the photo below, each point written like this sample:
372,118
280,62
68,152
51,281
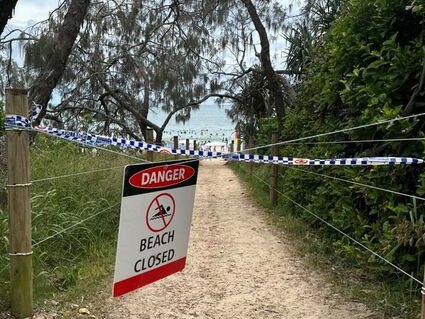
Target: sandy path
238,266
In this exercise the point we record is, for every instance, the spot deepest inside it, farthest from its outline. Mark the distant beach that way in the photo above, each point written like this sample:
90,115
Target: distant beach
209,124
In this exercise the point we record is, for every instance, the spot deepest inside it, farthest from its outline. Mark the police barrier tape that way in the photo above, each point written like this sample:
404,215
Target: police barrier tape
20,122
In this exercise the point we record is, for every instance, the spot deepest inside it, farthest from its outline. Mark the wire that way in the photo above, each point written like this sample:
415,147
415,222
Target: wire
76,174
357,183
337,131
90,145
90,217
107,150
344,234
363,141
74,225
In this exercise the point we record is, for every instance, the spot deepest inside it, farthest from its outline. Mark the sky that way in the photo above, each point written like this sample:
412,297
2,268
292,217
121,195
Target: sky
28,12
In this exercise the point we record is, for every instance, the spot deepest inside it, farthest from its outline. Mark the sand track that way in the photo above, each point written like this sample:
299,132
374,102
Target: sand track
238,266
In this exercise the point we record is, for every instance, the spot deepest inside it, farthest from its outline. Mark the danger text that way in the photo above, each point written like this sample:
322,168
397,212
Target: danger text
156,177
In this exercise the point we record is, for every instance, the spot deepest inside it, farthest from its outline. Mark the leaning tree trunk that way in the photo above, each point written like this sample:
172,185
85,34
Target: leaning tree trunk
64,40
6,9
273,79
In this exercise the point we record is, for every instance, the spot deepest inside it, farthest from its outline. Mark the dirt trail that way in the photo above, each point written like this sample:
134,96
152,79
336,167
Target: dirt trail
238,266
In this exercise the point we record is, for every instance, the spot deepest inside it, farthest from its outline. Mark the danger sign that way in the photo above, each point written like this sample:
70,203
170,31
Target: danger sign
156,213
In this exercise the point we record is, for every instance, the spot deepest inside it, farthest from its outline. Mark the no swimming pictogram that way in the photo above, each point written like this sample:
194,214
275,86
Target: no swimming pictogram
160,212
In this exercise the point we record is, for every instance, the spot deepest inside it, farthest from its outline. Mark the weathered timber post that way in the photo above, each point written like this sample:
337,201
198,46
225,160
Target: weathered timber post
187,144
20,248
176,145
423,298
232,146
149,139
194,145
250,164
274,172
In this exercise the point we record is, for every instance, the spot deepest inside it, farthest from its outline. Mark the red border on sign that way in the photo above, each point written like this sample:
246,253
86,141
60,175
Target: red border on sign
146,278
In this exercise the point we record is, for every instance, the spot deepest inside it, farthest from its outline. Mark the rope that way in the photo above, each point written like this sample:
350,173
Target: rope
359,184
76,174
19,185
21,254
74,225
337,131
344,234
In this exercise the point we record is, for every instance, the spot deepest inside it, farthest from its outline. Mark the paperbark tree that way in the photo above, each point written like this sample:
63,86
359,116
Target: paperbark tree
61,44
6,10
274,81
131,58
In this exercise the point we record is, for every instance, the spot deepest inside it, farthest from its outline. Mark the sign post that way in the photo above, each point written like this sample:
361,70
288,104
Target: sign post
156,214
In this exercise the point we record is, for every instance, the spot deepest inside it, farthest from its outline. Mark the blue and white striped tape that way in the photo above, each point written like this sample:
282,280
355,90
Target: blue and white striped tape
20,122
17,121
320,162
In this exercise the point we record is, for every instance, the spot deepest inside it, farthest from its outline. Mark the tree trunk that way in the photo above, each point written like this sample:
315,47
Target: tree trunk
158,139
6,10
273,79
47,80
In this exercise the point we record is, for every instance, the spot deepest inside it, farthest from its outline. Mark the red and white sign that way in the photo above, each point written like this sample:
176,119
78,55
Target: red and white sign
156,213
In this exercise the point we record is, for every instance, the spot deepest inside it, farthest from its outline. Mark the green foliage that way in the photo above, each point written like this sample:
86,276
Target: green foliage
266,127
1,115
366,68
365,71
61,261
250,108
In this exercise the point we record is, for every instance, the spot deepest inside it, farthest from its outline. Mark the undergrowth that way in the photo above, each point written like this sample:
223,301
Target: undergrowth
76,257
394,295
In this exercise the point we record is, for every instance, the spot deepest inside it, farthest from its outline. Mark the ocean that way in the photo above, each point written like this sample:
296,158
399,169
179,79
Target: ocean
209,124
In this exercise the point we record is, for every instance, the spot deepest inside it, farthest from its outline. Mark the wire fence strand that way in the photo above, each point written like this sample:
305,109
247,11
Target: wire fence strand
75,174
74,225
390,140
337,131
344,234
356,183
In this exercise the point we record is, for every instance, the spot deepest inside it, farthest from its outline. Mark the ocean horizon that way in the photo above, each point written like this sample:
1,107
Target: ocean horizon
206,125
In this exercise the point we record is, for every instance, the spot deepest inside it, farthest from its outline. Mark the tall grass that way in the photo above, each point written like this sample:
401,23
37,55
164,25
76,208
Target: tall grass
61,262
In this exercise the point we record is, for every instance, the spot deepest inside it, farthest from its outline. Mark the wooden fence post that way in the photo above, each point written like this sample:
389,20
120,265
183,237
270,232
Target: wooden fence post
250,164
187,144
20,248
232,146
194,145
423,298
274,172
176,145
149,139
